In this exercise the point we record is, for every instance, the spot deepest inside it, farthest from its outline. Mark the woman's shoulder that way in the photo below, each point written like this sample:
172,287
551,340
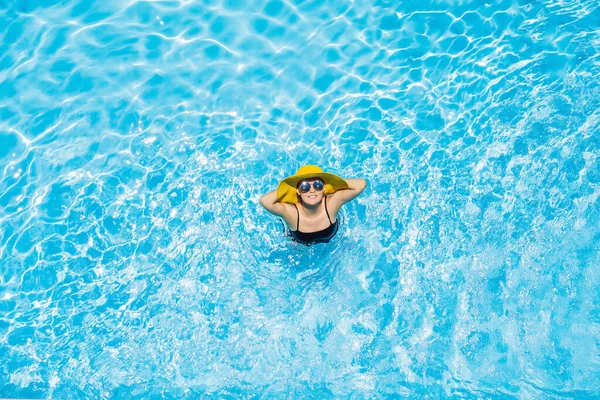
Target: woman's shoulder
332,203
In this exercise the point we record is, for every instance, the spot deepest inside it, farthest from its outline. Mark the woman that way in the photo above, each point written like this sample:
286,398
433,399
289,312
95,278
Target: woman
309,202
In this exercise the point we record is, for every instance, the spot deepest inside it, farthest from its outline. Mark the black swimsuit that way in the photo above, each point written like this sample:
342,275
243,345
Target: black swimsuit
322,236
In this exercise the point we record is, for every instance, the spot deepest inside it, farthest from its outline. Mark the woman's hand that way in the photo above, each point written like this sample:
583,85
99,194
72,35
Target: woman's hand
270,203
355,187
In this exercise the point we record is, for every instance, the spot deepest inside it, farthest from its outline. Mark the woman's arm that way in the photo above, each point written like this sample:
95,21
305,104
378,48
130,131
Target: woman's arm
270,203
355,187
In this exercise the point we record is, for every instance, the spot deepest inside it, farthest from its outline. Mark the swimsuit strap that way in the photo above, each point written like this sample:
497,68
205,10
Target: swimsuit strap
327,211
297,223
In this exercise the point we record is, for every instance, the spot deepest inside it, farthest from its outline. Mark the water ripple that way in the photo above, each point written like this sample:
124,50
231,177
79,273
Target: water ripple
136,139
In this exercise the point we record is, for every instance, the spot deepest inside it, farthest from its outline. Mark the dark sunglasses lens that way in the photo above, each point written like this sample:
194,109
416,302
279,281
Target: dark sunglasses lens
305,187
318,185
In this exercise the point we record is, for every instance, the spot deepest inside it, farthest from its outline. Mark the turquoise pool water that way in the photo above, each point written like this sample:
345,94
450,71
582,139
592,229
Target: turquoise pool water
136,138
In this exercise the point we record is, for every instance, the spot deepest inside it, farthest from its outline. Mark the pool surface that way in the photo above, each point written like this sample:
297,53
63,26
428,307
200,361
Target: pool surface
136,138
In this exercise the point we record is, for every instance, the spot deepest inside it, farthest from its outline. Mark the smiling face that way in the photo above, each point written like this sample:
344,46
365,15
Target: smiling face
312,196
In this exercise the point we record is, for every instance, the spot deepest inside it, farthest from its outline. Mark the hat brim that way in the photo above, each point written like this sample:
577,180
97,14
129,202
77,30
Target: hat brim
286,191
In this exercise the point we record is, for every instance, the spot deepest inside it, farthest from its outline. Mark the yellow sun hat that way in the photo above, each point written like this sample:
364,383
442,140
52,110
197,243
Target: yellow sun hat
286,191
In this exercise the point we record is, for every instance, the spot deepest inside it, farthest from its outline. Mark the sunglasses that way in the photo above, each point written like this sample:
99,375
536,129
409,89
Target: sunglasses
305,186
